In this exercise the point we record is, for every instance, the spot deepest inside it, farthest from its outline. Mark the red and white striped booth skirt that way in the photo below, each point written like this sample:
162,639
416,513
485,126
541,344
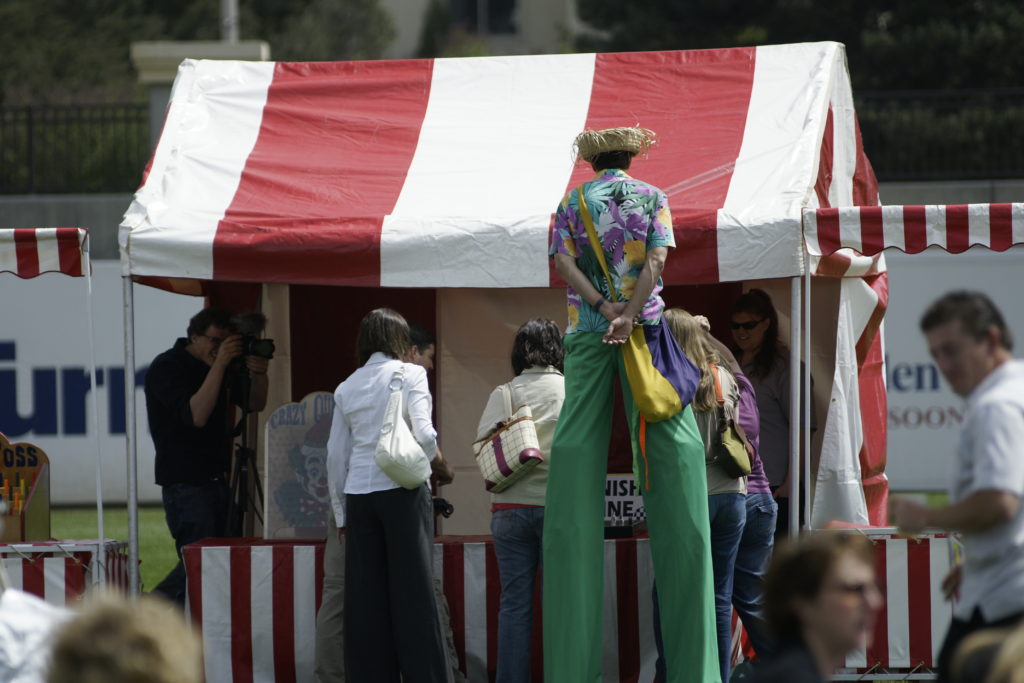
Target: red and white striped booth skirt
59,572
256,603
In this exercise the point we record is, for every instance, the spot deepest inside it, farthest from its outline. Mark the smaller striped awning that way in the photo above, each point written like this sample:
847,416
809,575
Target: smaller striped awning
912,229
28,252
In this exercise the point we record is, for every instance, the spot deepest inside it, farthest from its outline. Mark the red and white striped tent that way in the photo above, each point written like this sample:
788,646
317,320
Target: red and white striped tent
445,173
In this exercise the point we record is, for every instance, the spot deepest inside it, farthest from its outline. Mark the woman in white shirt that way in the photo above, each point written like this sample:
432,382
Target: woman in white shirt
392,632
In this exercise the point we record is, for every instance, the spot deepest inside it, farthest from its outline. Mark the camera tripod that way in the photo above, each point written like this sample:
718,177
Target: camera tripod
245,479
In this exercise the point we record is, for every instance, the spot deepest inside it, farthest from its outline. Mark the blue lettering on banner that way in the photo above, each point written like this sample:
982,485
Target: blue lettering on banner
75,388
904,377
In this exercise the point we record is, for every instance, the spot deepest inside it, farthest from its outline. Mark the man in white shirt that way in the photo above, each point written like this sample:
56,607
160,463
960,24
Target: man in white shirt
971,344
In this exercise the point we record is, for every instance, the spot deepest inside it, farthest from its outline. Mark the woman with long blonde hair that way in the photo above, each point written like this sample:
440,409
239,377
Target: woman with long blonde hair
726,495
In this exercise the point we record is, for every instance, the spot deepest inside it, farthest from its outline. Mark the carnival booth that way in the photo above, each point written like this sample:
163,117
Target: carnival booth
58,571
316,191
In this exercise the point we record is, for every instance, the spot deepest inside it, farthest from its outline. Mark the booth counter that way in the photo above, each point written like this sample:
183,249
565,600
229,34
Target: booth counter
256,603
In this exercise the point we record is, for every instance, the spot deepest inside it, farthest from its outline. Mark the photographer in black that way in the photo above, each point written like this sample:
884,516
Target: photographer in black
187,392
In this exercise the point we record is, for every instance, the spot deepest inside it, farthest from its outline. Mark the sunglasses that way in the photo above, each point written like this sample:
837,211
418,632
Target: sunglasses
749,325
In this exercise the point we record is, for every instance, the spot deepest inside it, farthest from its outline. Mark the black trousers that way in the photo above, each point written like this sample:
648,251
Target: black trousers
193,512
958,632
392,631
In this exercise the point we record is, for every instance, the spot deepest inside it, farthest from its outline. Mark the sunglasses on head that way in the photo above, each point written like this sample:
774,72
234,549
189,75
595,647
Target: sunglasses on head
749,325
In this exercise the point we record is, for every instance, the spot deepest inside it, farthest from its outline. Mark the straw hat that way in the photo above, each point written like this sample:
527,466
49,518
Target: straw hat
590,143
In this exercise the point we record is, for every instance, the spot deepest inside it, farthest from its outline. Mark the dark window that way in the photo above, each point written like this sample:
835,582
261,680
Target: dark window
485,16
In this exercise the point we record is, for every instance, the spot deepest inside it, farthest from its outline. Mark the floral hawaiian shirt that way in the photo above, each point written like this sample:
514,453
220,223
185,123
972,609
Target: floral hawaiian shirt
630,218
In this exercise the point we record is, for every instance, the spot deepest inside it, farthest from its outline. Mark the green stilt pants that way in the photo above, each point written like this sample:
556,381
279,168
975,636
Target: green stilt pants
677,519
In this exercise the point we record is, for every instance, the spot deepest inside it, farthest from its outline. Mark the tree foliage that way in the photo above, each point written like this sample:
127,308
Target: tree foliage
911,44
60,51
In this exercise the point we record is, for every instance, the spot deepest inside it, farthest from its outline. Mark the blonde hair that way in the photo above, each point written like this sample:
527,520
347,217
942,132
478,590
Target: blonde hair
693,340
1008,666
116,640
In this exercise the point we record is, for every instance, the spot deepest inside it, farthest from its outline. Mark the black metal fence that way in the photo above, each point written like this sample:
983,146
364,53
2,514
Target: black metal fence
944,135
913,135
73,148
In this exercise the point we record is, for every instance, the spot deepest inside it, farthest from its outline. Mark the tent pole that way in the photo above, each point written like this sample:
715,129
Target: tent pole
131,436
794,407
99,574
807,397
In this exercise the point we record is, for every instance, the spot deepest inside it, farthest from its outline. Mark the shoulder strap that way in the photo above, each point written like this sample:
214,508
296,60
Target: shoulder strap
718,386
595,243
506,390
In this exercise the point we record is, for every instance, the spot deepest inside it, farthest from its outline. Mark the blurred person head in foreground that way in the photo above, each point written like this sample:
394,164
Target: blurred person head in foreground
821,601
117,640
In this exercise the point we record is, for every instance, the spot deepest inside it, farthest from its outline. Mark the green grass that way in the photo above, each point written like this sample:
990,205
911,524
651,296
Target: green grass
156,547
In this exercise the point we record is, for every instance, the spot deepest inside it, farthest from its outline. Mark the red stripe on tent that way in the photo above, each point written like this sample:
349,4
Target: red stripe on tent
27,252
915,229
874,406
865,184
828,230
493,580
1000,225
283,617
340,166
919,602
833,265
74,576
878,648
958,238
454,573
824,182
626,597
241,613
69,251
714,124
872,236
32,579
193,559
318,574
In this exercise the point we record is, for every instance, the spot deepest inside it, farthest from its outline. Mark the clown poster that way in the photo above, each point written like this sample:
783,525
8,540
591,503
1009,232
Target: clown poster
297,497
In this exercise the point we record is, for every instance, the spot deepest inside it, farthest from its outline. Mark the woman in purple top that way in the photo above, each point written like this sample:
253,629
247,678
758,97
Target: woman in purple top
755,550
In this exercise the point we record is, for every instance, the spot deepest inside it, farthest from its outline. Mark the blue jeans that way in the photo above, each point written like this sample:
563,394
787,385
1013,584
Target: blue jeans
727,512
193,512
518,533
752,559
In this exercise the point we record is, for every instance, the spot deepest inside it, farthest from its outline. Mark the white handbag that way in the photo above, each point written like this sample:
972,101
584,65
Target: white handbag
398,453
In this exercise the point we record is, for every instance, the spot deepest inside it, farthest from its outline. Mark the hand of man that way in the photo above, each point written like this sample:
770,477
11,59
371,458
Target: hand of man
619,330
783,491
610,310
257,365
229,349
443,473
909,515
951,582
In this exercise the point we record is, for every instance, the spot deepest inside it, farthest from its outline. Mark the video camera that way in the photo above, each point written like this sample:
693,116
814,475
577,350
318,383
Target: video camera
250,326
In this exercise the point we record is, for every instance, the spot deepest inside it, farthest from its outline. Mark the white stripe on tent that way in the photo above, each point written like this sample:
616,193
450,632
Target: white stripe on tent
978,225
939,550
48,250
844,137
892,227
15,572
216,581
776,135
261,616
849,230
935,217
610,615
304,592
55,580
897,602
495,143
1017,223
197,166
475,583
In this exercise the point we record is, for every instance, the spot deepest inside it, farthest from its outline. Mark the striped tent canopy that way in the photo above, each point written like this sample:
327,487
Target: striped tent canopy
446,172
28,252
912,229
